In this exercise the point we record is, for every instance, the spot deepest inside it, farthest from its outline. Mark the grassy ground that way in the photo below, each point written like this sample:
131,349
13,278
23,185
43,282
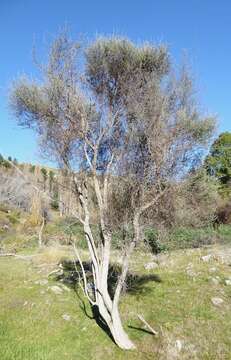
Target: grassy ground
178,306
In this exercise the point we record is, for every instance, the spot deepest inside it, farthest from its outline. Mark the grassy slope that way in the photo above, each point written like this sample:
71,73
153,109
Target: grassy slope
179,307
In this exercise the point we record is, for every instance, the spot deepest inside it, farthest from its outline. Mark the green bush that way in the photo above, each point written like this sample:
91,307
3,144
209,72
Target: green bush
224,233
14,217
186,237
55,204
151,238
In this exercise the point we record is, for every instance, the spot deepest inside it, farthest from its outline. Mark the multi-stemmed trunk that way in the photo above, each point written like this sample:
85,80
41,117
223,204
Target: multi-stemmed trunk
110,315
107,308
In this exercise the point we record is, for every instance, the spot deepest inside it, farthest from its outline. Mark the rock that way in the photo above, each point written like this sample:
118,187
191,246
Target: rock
151,265
222,259
41,282
179,345
213,269
228,282
207,258
66,317
217,301
56,272
5,227
56,289
64,287
155,258
215,280
191,273
190,265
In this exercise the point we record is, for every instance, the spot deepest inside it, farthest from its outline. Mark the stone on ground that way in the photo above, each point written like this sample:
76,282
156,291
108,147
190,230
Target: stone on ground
66,317
56,289
217,301
207,258
151,265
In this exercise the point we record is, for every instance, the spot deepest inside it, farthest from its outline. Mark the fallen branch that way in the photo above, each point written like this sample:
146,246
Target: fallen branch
148,326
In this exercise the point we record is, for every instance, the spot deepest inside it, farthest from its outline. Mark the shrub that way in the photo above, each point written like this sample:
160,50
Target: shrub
152,239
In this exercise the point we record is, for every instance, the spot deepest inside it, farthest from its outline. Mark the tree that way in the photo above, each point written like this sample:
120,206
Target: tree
218,162
1,160
44,175
51,180
197,200
14,190
38,212
32,169
129,127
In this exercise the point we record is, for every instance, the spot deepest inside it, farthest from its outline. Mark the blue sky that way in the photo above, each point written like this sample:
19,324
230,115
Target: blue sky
202,28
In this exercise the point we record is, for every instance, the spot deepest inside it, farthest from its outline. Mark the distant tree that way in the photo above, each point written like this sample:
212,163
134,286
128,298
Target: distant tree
32,169
14,189
1,160
197,200
38,213
55,200
51,179
218,162
138,133
9,158
7,164
44,174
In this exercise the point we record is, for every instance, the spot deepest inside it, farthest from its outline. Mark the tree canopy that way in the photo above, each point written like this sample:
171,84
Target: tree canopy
218,162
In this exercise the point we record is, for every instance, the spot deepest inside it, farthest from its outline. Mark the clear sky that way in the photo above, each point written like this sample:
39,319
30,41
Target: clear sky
201,27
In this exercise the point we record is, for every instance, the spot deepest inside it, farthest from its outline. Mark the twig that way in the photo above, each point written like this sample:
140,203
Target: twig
148,326
85,289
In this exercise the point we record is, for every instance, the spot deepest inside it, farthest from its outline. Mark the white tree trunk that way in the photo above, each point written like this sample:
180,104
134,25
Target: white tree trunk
113,321
120,336
100,257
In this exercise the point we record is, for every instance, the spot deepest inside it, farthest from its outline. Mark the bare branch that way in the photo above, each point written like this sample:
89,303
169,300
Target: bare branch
84,276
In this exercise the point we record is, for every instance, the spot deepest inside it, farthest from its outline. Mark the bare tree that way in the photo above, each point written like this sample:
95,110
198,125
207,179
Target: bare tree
128,125
14,189
18,189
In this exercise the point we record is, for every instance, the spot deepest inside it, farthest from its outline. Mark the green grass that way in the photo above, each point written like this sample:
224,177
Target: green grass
178,307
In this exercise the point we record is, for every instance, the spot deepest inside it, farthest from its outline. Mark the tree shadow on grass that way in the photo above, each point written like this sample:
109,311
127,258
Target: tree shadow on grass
134,283
140,329
72,274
